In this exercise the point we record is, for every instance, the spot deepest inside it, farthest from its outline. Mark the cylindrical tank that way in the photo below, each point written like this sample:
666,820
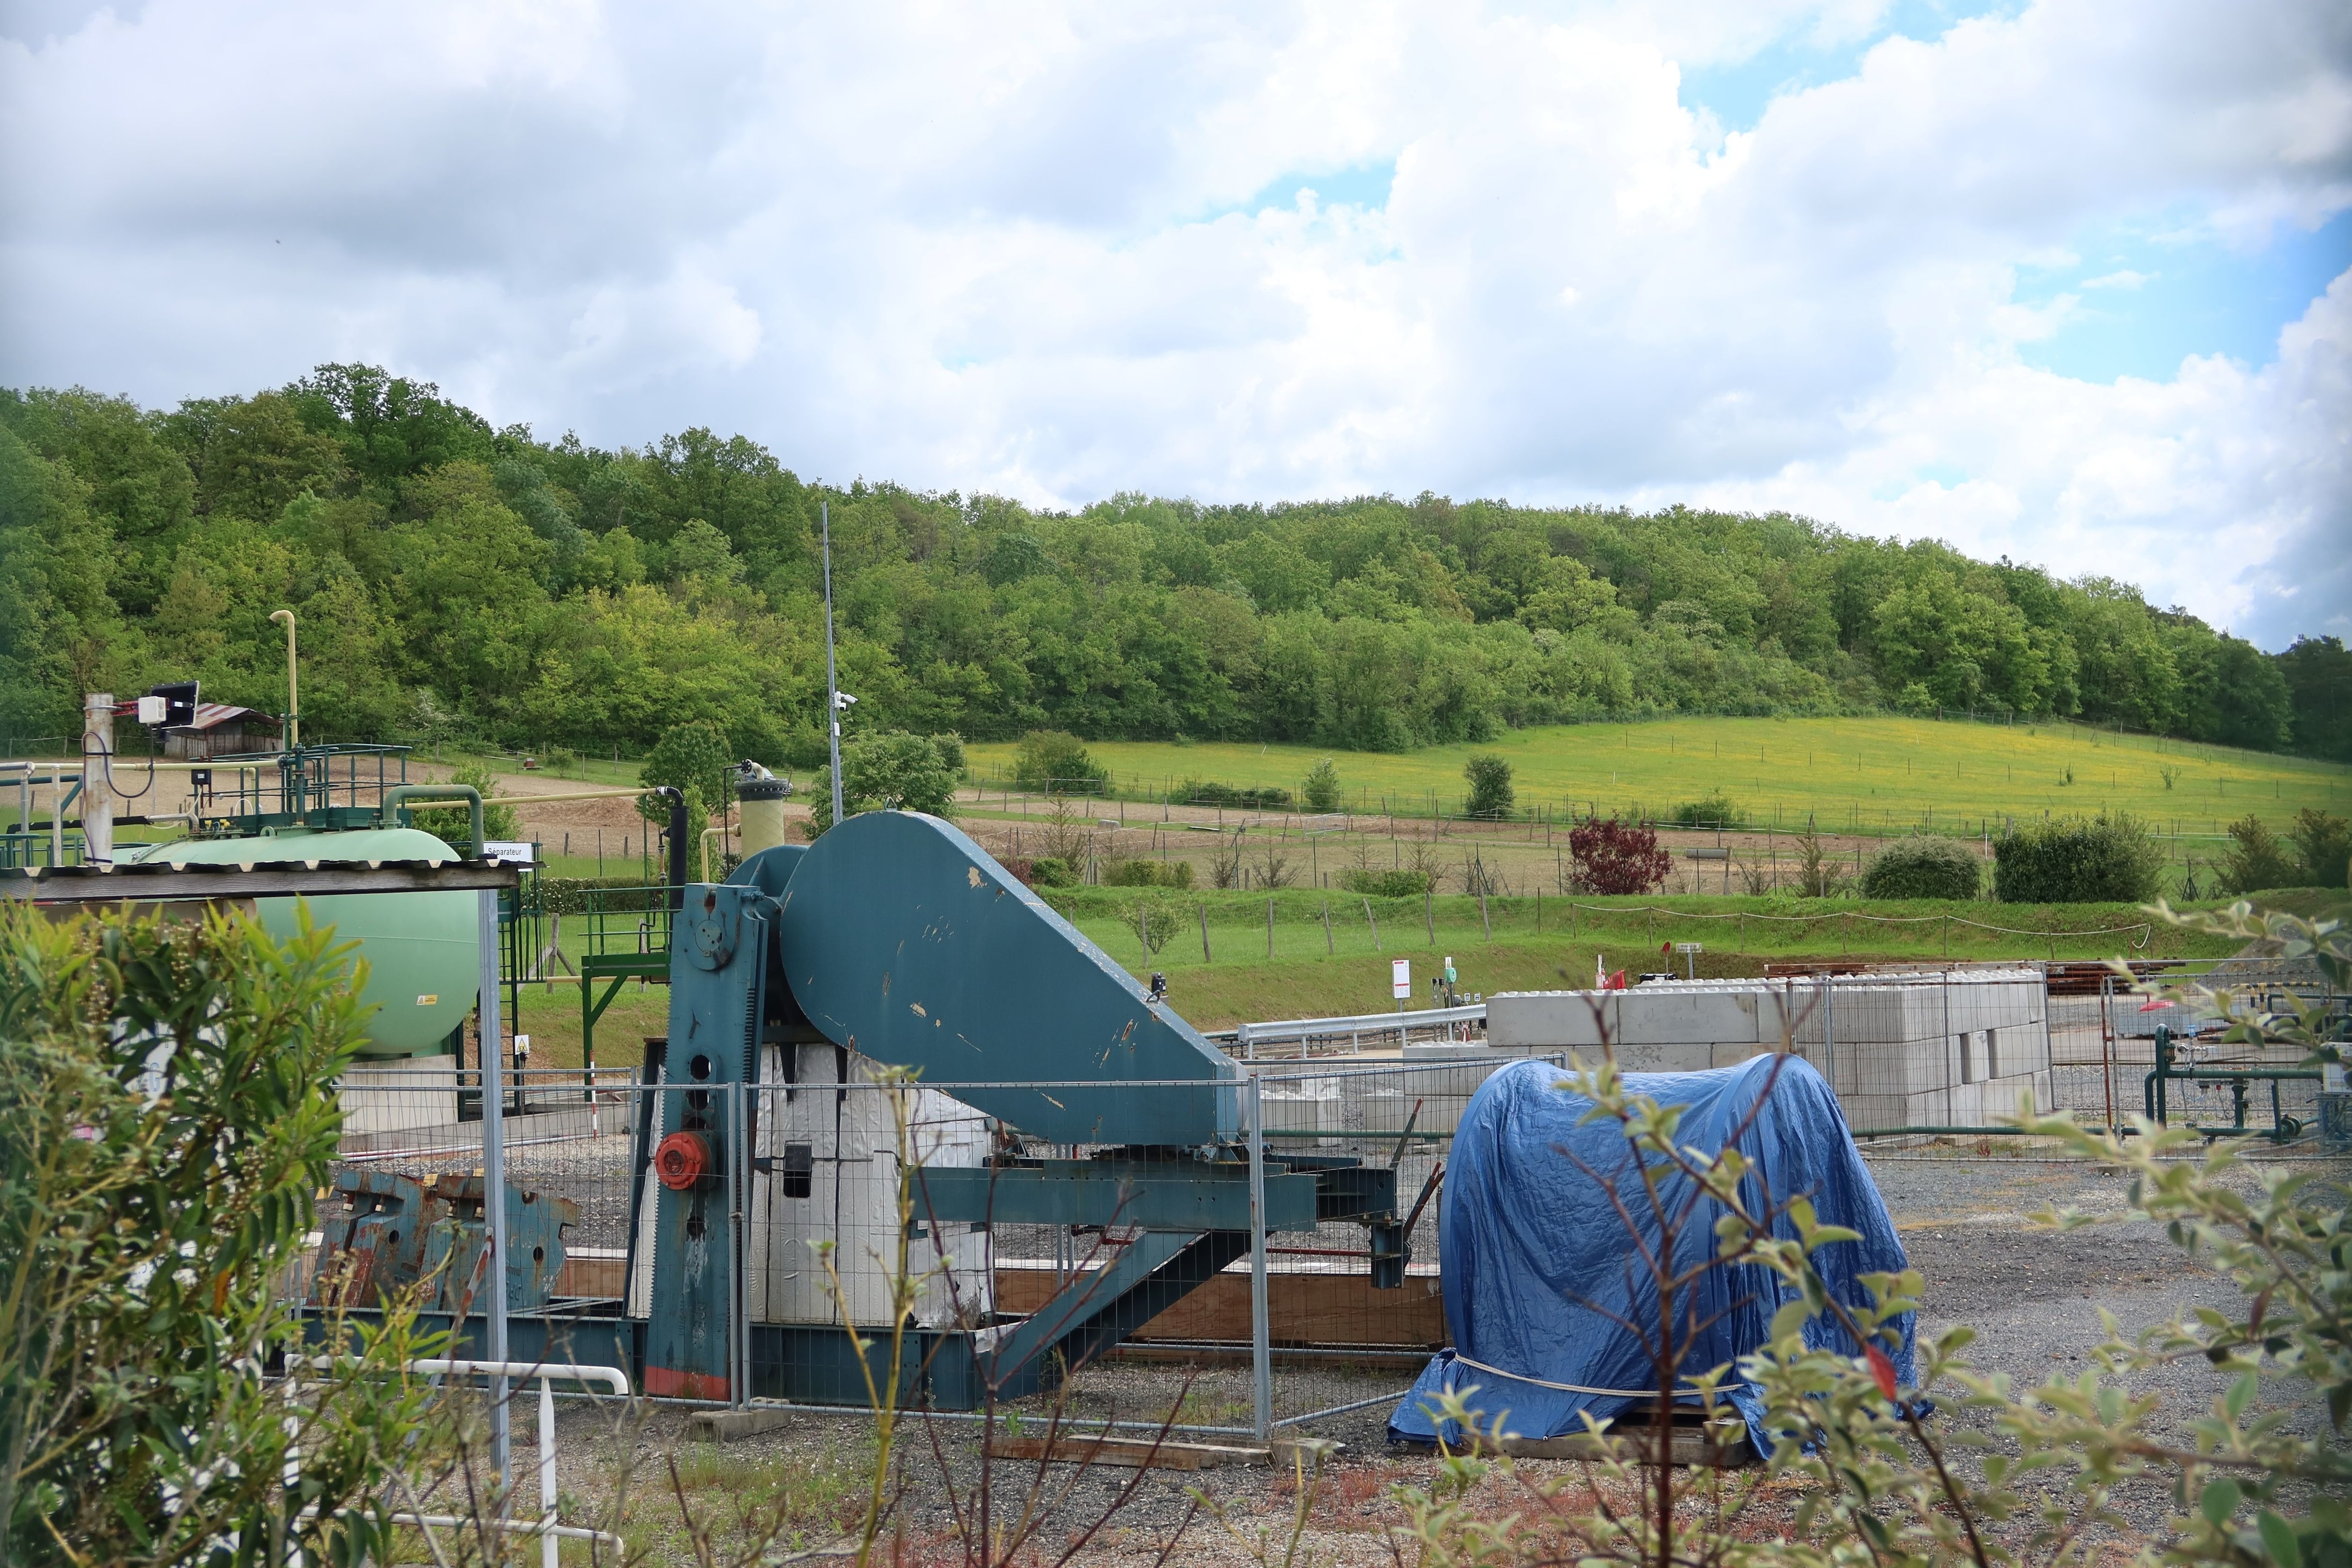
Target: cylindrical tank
762,812
422,949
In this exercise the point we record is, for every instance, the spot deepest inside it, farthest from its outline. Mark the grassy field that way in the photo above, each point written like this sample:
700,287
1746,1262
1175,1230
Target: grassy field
1299,972
1867,776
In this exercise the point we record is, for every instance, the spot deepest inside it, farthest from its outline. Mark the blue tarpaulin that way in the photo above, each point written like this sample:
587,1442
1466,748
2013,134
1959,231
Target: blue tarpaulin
1539,1265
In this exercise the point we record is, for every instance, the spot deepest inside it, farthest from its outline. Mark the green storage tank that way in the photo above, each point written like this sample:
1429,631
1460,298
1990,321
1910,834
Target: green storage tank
422,949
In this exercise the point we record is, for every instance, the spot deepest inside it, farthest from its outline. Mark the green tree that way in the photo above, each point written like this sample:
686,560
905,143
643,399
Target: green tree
1491,795
2323,843
1963,648
2256,858
692,758
891,771
2318,675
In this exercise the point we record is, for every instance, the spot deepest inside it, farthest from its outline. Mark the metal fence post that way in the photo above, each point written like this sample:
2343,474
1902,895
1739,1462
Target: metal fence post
494,1169
1261,1360
739,1295
1829,1033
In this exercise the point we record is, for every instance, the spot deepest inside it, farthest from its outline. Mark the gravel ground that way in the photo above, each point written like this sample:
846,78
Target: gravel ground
2035,1298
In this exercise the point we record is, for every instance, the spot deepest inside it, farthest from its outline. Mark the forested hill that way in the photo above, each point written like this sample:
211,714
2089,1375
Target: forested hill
453,581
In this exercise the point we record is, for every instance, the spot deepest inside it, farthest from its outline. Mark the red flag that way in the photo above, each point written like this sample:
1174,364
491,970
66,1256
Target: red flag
1616,981
1881,1369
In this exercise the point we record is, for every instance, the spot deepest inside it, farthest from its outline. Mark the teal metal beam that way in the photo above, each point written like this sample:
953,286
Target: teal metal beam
1182,1195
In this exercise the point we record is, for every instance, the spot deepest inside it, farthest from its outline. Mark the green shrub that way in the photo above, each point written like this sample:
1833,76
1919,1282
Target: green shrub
453,825
1056,762
1322,789
1707,811
2106,859
1208,791
2256,858
2325,844
1402,884
168,1088
1051,872
949,747
1924,868
1491,796
1147,874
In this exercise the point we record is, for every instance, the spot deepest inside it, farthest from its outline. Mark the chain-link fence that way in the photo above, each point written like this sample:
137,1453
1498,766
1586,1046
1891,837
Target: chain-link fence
832,1231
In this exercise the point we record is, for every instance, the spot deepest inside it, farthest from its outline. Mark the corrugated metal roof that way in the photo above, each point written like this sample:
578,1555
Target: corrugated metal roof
210,715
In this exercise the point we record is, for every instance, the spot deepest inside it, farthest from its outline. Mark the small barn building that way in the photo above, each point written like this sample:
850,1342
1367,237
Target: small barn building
222,730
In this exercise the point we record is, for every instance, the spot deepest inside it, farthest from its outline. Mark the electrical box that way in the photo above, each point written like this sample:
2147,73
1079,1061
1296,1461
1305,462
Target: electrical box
178,700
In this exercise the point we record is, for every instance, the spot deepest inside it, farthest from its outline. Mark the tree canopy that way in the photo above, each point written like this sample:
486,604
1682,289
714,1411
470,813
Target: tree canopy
457,581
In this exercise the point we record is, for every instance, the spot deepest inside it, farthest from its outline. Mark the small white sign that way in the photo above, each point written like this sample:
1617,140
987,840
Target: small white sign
507,851
1401,979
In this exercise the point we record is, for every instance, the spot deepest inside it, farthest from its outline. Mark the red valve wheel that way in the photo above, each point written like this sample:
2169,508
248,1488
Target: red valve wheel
681,1159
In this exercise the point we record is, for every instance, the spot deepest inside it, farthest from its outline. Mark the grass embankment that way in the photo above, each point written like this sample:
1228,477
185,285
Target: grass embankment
1308,977
1871,775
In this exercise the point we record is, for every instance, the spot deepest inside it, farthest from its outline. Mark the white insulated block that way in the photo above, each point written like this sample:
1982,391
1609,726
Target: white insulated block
401,1096
1551,1020
1658,1015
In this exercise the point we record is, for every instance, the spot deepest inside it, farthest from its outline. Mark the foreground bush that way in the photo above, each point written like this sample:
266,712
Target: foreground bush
1868,1461
166,1092
2106,859
1924,868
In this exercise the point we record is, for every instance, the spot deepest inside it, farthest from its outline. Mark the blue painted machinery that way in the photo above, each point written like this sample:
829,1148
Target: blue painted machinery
896,941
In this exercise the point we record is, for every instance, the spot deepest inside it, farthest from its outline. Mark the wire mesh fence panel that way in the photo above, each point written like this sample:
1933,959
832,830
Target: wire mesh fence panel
2108,1043
1345,1331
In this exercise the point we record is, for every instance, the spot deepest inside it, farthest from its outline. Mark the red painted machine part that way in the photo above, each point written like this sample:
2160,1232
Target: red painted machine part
681,1159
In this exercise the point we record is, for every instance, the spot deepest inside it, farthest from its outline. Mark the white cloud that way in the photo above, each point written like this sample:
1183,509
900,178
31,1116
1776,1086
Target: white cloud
965,247
2122,277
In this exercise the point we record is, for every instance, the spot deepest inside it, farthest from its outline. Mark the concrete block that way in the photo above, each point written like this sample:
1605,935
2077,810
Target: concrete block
1658,1015
733,1425
1549,1020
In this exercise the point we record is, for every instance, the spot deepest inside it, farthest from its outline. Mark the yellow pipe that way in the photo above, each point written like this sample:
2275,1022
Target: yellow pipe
293,708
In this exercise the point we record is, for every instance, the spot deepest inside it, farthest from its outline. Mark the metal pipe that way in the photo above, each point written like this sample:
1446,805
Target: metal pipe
293,708
494,1156
396,799
1261,1364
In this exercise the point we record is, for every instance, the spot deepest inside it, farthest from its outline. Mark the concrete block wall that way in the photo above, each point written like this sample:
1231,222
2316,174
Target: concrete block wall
399,1096
1930,1047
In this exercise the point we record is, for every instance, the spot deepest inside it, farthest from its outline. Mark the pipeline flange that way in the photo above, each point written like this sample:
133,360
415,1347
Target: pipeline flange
681,1159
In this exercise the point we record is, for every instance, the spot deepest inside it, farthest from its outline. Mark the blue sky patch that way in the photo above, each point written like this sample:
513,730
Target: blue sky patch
1366,185
1738,92
2146,297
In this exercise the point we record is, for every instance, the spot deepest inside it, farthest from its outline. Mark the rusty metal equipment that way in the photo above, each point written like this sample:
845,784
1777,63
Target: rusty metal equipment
397,1232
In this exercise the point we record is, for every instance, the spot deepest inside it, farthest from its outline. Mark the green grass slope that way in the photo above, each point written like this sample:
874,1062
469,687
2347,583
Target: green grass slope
1874,774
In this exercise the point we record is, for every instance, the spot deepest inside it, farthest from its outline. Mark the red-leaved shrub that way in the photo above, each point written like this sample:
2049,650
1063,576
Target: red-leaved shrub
1615,857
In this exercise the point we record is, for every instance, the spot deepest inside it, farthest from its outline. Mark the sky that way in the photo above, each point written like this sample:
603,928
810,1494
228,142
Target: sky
2063,282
